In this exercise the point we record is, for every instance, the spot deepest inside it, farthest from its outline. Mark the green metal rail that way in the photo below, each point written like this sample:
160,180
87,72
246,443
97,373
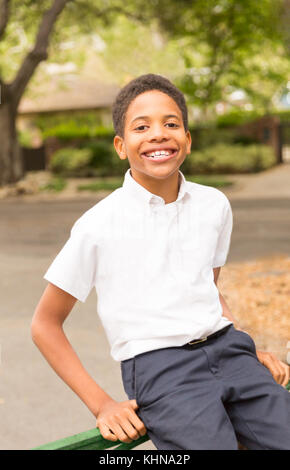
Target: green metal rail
93,440
90,440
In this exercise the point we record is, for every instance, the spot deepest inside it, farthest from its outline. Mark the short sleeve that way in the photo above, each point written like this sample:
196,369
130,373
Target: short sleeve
224,238
74,268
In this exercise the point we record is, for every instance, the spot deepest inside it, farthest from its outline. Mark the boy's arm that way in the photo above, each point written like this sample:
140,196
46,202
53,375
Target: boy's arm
279,370
115,420
226,311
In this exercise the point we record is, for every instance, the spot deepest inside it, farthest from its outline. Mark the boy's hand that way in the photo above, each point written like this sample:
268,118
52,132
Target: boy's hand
118,421
279,370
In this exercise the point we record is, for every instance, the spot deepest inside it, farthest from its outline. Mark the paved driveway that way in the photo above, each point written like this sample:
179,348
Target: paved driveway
35,406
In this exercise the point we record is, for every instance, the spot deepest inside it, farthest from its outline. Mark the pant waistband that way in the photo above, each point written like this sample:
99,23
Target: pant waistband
199,342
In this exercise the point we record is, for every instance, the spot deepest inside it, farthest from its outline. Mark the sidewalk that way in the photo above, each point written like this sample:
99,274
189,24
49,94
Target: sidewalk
273,183
270,184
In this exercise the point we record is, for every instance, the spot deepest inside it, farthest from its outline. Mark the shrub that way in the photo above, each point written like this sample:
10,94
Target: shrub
76,125
56,184
100,159
102,153
25,138
207,136
71,129
245,140
105,160
93,159
237,117
284,115
222,158
71,162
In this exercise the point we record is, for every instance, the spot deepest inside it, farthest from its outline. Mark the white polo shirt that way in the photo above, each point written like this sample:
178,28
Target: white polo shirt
151,264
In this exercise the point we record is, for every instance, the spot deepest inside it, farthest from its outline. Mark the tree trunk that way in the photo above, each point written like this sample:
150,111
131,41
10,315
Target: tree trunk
11,163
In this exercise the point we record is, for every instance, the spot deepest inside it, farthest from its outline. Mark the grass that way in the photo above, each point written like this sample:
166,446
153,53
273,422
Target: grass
57,184
218,181
110,184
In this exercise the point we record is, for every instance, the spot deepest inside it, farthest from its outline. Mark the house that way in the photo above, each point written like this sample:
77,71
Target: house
61,95
65,95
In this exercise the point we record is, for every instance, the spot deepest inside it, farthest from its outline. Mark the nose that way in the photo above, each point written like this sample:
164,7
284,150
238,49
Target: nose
158,133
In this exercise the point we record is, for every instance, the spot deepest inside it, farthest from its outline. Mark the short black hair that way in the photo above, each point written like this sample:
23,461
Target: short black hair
140,85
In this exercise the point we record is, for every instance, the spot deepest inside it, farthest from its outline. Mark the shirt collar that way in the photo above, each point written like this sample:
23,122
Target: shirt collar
139,192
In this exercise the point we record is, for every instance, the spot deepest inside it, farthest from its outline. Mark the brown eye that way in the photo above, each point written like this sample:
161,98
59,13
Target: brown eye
172,124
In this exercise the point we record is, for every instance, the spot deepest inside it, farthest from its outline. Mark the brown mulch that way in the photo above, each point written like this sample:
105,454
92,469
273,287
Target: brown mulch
258,295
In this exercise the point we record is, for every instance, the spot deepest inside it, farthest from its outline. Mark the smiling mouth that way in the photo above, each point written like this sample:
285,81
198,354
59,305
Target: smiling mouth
160,155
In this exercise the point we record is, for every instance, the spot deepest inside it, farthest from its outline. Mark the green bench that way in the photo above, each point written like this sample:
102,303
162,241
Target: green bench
93,440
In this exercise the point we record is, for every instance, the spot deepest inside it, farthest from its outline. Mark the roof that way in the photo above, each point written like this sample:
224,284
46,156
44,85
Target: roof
68,94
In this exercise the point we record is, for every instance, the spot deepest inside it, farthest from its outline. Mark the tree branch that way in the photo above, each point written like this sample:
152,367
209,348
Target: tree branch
112,9
38,53
4,16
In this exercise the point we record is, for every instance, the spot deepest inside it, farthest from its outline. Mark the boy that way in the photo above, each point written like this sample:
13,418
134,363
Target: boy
153,249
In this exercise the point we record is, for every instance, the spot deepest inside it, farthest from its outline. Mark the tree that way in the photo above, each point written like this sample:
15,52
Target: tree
211,48
11,164
224,45
229,44
46,20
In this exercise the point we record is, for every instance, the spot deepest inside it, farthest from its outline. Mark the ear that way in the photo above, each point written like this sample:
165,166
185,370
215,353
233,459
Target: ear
119,145
188,144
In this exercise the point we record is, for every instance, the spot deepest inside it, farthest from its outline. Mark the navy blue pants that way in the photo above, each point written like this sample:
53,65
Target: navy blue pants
209,397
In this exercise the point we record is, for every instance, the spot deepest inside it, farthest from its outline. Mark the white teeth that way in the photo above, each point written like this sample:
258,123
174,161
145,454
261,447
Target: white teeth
159,154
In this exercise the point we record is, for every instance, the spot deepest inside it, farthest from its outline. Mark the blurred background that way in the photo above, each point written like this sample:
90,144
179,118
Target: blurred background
62,64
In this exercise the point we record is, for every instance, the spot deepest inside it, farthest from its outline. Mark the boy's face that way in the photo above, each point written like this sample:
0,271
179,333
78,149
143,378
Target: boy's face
153,123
